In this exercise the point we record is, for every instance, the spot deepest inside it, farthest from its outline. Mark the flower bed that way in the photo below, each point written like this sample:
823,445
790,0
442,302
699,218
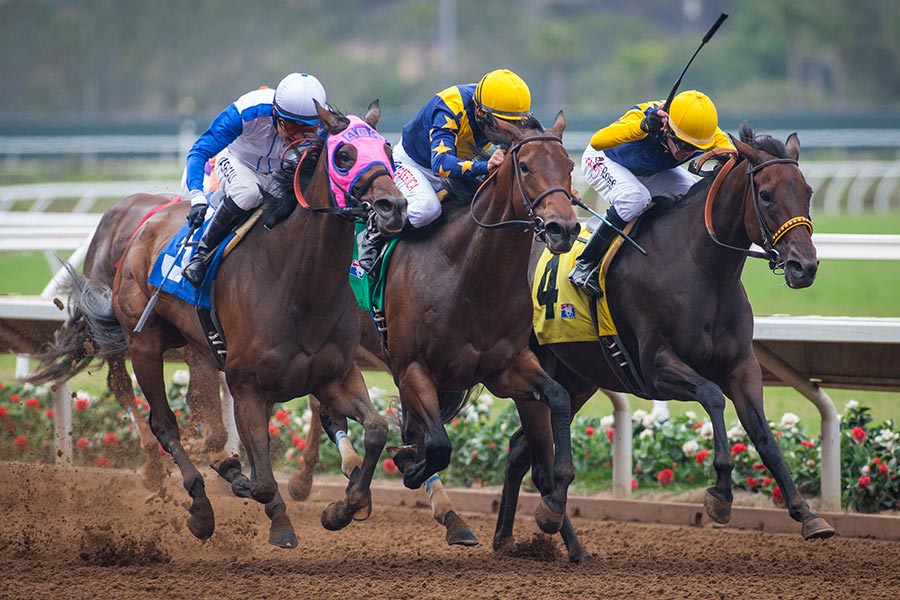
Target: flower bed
674,454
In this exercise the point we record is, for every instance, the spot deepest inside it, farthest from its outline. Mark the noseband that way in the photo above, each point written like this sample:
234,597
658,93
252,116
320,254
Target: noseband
536,222
769,240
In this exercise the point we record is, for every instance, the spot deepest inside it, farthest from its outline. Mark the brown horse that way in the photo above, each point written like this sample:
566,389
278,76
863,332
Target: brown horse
289,319
693,341
458,314
70,352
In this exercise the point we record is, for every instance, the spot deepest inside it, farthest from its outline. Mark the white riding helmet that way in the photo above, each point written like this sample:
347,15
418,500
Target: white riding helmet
294,98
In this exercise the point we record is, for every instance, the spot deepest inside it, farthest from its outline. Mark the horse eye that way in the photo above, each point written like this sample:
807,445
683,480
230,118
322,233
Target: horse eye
523,167
345,158
765,197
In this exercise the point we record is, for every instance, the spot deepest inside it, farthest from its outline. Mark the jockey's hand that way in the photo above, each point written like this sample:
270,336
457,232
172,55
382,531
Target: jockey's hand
653,122
496,160
575,193
196,215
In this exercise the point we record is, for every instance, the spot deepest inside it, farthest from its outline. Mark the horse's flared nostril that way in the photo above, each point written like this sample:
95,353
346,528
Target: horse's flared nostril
554,229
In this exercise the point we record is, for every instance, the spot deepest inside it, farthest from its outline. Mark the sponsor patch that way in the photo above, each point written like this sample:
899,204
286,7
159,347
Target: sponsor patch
356,270
567,310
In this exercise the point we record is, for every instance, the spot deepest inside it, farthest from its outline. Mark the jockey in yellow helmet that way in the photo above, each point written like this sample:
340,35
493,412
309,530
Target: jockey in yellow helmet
441,142
636,158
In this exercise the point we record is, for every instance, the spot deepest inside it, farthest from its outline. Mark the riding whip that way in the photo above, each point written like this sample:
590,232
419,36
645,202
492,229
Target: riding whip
148,310
706,38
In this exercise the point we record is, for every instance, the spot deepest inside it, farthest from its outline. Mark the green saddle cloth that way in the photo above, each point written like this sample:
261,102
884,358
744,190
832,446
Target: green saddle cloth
369,290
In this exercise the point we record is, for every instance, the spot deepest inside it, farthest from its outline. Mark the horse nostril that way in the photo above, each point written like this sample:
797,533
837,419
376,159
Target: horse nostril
554,229
383,206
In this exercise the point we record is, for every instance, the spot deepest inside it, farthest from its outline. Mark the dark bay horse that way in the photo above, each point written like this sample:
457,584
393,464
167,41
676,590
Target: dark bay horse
289,319
458,314
684,318
71,353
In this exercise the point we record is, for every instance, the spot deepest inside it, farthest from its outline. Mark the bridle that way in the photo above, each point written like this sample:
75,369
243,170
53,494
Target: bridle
535,222
769,239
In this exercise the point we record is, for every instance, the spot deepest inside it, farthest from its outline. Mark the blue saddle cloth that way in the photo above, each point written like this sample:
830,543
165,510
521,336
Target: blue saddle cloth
170,263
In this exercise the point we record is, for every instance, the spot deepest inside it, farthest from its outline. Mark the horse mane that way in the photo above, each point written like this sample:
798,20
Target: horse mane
762,141
281,201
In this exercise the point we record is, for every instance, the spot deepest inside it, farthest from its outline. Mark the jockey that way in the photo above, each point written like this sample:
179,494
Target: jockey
442,141
248,139
635,159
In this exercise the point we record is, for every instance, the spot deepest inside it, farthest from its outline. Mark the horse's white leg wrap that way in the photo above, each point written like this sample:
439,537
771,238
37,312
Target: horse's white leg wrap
440,502
349,458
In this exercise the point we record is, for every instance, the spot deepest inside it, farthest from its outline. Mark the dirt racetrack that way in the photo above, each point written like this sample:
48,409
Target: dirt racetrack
98,534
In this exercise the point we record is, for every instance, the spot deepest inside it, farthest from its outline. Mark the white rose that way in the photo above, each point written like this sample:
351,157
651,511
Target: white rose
690,448
865,470
850,405
83,395
181,377
649,421
706,432
789,420
645,433
638,415
691,415
607,422
736,434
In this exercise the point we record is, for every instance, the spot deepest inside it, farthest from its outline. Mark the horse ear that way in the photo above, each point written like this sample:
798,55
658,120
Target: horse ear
373,114
508,130
745,150
792,145
559,125
331,121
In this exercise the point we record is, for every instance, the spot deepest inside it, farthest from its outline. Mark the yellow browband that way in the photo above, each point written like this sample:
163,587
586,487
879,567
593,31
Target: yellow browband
790,224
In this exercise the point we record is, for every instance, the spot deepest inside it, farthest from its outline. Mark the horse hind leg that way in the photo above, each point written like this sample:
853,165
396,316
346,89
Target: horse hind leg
351,463
152,471
148,369
205,405
300,482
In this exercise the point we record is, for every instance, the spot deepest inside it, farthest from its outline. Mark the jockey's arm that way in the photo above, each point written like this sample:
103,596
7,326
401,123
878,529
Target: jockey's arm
223,130
444,159
626,129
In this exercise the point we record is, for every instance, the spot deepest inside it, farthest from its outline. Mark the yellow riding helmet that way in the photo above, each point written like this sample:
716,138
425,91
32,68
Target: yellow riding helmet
504,94
693,118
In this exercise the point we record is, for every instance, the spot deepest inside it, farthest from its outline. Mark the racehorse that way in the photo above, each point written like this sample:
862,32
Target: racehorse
287,313
458,314
693,340
70,353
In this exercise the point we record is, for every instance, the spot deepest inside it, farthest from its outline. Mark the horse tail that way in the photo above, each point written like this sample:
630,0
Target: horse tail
91,332
452,403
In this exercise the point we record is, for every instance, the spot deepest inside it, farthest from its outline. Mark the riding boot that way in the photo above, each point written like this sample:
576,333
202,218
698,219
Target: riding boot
371,246
223,221
586,273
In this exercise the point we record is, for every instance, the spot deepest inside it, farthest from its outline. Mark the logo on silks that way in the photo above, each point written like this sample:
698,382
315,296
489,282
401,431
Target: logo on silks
356,270
567,311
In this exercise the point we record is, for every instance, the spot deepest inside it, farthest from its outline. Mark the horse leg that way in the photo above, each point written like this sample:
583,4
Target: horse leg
351,463
350,397
744,387
152,471
300,483
418,396
675,379
458,532
148,368
205,404
252,411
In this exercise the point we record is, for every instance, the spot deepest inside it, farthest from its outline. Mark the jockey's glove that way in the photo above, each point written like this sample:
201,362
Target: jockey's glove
652,123
196,215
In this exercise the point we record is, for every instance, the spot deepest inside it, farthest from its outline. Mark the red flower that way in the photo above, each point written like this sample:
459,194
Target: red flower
81,444
876,460
697,426
14,398
810,463
665,477
610,433
389,410
738,448
20,442
808,444
474,453
298,442
33,403
883,469
701,456
752,482
759,466
282,417
50,413
777,496
102,462
863,482
110,439
389,467
767,481
859,434
3,413
81,404
634,484
138,400
589,430
274,429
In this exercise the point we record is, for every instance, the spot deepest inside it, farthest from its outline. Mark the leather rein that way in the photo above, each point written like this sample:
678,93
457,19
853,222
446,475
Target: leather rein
536,222
769,239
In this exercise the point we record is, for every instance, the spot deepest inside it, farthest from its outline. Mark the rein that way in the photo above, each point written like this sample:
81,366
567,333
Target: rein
536,223
769,240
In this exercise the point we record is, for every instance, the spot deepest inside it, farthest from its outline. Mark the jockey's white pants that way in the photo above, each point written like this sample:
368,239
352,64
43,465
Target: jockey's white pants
419,186
629,193
241,183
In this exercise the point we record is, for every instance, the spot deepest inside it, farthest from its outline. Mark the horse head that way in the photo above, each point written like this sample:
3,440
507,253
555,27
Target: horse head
360,168
777,216
542,170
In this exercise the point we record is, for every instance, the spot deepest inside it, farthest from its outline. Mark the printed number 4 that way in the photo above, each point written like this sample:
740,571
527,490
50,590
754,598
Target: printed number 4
547,294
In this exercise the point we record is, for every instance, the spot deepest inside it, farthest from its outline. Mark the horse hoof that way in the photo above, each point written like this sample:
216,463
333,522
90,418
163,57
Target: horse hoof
240,487
458,533
548,521
300,484
817,528
502,544
365,512
718,510
201,522
402,456
335,516
281,534
582,558
227,468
